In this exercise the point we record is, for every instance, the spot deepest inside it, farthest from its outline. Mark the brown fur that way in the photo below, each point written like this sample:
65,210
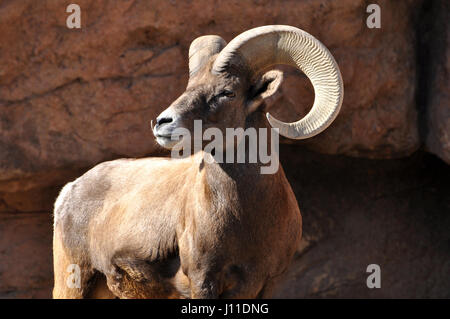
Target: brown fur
181,228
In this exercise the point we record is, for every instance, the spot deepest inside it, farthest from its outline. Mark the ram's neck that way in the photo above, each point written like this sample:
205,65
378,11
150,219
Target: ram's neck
232,184
237,187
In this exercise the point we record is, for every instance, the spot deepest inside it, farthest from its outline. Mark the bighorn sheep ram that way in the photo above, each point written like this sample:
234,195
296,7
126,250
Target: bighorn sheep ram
184,228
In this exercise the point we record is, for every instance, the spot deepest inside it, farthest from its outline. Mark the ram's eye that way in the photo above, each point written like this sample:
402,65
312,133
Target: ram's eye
226,93
217,97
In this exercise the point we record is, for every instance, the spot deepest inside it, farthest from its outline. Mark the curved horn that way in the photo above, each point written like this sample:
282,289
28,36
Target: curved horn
202,49
260,48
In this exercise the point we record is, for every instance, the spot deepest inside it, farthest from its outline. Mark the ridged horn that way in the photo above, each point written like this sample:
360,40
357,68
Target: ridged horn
260,48
201,49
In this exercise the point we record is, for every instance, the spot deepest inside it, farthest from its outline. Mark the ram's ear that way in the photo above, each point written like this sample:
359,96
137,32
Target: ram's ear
266,89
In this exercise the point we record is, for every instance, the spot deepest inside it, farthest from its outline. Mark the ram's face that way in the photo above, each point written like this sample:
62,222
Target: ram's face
219,101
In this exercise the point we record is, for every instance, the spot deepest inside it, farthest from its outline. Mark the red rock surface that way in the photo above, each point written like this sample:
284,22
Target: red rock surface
437,126
26,266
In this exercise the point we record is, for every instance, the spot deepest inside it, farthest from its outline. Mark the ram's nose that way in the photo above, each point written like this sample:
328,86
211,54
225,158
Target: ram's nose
163,129
161,120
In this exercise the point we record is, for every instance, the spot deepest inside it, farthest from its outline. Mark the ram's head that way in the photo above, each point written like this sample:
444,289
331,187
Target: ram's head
228,83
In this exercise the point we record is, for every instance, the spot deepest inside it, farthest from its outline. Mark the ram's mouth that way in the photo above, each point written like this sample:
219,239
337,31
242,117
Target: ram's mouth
163,136
167,141
167,136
